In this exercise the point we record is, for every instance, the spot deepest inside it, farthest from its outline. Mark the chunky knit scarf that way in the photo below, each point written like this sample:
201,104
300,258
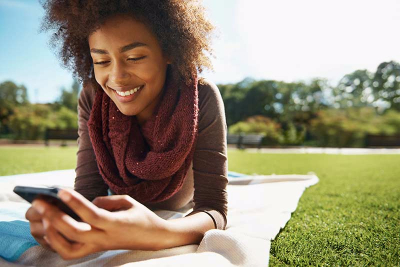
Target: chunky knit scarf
149,163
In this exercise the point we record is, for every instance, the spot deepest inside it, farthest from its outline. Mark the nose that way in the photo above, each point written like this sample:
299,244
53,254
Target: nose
119,74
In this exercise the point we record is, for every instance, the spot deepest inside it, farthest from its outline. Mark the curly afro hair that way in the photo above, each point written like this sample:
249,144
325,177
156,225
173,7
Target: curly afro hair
183,30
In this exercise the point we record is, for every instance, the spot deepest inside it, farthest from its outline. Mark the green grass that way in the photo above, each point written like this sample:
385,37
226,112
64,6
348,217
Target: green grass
351,217
18,160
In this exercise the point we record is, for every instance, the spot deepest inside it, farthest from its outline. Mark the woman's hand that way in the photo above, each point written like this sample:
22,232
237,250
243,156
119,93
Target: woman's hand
112,222
36,225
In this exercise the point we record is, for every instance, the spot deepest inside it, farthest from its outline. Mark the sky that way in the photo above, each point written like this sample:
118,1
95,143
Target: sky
288,40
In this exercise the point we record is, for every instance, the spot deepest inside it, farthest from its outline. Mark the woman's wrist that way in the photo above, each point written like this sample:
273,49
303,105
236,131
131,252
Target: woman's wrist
184,231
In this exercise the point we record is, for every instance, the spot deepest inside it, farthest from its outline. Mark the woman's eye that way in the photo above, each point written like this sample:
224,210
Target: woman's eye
132,59
101,62
136,58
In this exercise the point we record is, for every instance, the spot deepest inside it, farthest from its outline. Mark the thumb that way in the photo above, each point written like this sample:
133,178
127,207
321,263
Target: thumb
114,203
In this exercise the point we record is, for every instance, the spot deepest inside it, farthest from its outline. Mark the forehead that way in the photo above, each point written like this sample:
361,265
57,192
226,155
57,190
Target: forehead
121,30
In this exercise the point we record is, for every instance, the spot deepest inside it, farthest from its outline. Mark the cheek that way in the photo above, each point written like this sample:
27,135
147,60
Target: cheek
150,72
100,79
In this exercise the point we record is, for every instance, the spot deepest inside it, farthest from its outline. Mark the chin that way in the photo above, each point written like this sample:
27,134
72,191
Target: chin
127,112
124,109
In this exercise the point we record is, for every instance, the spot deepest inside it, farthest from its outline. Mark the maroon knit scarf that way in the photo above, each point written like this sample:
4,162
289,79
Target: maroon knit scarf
149,163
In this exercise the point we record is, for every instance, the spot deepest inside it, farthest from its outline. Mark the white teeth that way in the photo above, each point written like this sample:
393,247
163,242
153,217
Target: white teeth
126,93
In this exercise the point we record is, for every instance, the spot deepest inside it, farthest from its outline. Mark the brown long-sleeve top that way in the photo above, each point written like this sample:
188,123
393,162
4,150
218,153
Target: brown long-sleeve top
205,182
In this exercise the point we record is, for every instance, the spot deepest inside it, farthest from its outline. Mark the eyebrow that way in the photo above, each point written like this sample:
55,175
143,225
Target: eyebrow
122,49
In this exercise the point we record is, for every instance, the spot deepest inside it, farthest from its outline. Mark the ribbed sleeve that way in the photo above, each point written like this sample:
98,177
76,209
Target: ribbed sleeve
210,163
88,181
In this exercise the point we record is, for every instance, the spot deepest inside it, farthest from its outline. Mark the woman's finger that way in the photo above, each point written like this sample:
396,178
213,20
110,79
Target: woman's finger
33,215
66,249
88,212
37,229
114,203
38,232
71,229
63,223
58,242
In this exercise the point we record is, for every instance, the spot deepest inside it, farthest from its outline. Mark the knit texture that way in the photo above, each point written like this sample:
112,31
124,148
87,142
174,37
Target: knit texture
147,162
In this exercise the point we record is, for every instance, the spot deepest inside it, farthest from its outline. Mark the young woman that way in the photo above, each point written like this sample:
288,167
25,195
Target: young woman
152,135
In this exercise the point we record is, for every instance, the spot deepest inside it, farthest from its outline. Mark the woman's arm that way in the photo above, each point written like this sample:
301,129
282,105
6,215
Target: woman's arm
185,231
210,174
210,163
88,181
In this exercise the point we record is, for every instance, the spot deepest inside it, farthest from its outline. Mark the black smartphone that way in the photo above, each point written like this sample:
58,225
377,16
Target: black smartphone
48,194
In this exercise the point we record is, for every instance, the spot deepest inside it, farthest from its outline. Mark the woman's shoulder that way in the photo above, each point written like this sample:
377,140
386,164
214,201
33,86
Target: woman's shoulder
209,94
86,98
206,86
211,105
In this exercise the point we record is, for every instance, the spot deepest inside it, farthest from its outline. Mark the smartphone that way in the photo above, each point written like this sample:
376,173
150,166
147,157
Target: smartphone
48,194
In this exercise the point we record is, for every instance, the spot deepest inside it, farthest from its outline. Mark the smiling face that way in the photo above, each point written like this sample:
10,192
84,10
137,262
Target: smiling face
129,65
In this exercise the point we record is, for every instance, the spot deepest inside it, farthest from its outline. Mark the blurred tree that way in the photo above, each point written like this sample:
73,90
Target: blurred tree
349,127
271,130
293,134
233,96
280,101
300,101
69,98
11,96
354,90
260,99
274,133
29,122
295,105
225,90
386,85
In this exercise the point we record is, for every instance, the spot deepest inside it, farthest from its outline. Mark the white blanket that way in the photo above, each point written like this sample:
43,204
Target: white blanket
258,207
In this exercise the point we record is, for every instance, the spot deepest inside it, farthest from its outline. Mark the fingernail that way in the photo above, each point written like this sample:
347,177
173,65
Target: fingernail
64,195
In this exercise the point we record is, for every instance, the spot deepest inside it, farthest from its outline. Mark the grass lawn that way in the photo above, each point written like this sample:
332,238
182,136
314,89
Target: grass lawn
351,217
19,160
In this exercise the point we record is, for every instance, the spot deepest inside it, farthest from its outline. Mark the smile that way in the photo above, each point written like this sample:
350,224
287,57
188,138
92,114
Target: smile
128,92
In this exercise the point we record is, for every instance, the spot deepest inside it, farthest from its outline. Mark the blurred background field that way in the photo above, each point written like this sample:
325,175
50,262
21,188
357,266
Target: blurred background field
349,218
